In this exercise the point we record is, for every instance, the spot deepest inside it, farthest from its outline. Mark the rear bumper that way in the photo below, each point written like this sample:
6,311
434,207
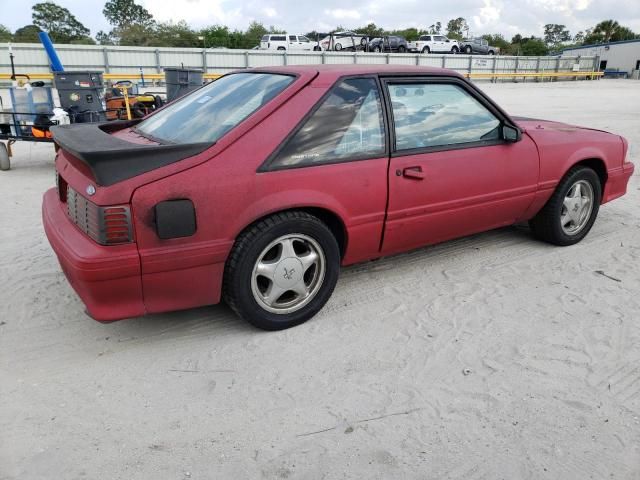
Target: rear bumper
617,182
107,279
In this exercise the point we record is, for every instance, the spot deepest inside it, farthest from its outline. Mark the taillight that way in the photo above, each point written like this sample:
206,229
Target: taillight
106,225
116,224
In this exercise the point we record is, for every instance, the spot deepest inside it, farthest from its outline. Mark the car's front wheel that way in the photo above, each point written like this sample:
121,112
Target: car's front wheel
572,209
426,50
282,270
468,50
454,50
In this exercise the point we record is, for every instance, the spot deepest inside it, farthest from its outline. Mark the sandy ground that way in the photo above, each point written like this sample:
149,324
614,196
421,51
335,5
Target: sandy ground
493,356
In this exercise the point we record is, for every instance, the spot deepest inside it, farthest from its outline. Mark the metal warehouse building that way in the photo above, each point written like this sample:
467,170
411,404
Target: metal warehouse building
623,56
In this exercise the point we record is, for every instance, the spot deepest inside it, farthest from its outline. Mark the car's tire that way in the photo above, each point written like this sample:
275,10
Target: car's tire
5,161
363,42
292,252
468,50
455,50
402,49
337,47
281,48
377,49
491,52
571,211
426,50
317,49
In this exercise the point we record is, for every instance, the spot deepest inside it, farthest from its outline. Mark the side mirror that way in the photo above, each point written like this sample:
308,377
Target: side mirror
447,40
511,134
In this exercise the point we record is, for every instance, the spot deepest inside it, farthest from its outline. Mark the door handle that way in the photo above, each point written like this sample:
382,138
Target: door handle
415,173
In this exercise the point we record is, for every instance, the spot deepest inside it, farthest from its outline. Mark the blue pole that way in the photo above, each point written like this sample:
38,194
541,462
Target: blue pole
56,64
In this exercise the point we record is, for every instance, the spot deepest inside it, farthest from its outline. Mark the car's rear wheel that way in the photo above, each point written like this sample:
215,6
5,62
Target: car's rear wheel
572,209
491,52
426,50
402,49
338,47
454,50
282,270
377,49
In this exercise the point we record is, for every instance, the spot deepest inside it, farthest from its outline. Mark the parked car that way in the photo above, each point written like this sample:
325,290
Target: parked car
346,40
285,41
391,43
257,187
434,44
478,45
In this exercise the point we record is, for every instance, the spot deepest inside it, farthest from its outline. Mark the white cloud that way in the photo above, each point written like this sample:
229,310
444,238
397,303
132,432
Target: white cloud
488,15
484,16
270,12
343,14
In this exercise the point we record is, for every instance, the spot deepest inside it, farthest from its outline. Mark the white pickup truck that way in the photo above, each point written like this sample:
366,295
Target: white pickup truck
434,44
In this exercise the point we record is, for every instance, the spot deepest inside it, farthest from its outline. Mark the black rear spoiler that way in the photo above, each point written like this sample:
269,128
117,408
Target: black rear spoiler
112,159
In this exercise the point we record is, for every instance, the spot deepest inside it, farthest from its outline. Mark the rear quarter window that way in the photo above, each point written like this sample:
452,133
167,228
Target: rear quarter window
346,125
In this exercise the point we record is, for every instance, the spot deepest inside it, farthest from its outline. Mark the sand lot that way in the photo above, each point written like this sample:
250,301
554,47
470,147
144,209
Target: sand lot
493,356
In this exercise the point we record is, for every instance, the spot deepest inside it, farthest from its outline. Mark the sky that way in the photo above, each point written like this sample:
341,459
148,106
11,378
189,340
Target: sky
508,17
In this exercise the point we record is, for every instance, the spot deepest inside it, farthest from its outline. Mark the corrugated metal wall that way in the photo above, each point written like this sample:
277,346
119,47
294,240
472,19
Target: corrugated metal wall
32,58
619,56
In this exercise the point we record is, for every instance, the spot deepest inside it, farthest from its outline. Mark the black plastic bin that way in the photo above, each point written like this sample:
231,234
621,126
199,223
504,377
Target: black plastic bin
81,95
181,81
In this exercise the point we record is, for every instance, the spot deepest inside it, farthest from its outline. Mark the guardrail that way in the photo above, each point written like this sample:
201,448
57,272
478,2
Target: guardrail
213,76
108,76
150,60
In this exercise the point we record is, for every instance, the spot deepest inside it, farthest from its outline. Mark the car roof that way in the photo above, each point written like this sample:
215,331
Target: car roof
334,71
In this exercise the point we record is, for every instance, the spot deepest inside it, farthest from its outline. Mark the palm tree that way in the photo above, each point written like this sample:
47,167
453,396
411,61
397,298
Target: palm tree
607,29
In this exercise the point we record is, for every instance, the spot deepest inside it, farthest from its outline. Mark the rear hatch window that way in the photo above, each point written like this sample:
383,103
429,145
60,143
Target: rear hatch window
208,113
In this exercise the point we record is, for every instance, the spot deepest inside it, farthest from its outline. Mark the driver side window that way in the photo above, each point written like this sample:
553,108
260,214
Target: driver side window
435,115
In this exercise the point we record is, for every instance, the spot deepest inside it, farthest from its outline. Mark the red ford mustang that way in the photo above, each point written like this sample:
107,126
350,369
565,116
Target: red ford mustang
257,187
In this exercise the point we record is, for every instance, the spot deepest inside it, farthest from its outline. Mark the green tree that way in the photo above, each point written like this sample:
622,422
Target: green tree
623,33
253,34
409,34
603,32
27,34
533,46
61,25
104,38
371,30
555,34
137,35
179,34
216,36
83,41
5,34
124,13
436,28
579,37
457,28
497,40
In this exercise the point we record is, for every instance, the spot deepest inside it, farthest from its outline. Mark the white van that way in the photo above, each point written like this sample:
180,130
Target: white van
285,41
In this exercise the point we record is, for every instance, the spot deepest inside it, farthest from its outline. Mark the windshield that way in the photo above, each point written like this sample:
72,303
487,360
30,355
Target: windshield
210,112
